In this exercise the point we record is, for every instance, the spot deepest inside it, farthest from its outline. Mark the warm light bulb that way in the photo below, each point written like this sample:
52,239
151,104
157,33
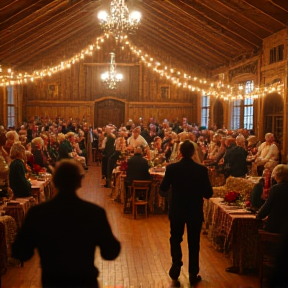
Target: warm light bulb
136,16
102,15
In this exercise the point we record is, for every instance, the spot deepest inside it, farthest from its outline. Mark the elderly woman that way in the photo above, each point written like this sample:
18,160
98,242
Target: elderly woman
20,186
37,151
275,206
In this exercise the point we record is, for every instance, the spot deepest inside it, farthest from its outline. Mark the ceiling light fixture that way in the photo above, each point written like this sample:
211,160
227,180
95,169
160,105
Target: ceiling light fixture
120,21
110,78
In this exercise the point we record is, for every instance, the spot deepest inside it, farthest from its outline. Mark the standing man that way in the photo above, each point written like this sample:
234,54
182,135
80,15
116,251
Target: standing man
66,231
190,183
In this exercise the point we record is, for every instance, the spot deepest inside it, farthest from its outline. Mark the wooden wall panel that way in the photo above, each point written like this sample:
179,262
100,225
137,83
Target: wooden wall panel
81,111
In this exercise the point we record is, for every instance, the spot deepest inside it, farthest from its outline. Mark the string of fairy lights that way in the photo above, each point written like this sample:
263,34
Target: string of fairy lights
177,77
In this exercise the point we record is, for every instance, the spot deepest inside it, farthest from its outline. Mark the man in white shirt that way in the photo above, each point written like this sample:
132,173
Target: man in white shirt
267,151
136,140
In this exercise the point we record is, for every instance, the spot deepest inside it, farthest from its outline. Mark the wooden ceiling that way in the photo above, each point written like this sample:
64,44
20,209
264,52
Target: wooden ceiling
206,34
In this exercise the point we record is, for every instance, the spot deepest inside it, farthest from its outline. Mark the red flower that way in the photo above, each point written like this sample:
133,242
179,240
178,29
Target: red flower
231,196
123,166
36,168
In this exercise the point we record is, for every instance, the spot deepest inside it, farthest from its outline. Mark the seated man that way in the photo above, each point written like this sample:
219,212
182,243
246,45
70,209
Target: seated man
275,206
137,169
267,151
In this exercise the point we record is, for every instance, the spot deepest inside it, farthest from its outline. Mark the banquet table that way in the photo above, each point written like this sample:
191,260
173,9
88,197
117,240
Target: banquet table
234,231
18,208
157,203
8,230
42,190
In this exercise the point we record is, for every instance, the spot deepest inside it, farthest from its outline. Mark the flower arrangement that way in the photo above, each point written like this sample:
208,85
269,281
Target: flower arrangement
37,169
123,165
232,196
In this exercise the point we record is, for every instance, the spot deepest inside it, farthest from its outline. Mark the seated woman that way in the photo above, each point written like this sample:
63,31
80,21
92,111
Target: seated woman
20,186
275,206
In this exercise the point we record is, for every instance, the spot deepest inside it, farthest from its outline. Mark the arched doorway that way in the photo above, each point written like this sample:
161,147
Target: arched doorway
109,111
273,115
218,113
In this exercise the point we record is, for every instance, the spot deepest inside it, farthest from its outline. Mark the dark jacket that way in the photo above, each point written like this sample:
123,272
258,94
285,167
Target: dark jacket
64,149
18,183
66,230
275,208
190,184
236,159
137,169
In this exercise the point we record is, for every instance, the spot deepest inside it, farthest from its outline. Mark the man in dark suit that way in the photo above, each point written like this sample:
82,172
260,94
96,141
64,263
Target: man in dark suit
137,167
190,183
66,230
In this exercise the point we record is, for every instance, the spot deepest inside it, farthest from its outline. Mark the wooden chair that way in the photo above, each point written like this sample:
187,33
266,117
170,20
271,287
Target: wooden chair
139,191
268,244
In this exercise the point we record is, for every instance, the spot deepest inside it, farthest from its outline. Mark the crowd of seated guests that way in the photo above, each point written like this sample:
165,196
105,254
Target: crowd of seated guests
49,140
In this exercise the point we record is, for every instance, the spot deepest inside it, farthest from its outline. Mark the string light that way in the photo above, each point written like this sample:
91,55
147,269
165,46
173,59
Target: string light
180,78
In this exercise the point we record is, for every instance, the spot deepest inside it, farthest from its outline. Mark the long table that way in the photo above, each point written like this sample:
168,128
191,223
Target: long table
8,230
234,232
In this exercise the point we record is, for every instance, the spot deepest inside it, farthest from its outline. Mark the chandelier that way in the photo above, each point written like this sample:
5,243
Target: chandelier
119,21
110,78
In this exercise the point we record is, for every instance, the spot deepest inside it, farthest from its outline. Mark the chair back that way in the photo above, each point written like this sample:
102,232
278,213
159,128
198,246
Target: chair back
268,244
140,187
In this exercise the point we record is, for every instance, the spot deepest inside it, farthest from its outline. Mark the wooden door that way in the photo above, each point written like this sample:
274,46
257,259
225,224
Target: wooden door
109,111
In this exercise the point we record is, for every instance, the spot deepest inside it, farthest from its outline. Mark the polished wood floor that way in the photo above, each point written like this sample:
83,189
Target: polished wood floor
145,257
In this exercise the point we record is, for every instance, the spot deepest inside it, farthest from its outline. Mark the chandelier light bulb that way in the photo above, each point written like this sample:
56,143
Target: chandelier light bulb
110,78
119,21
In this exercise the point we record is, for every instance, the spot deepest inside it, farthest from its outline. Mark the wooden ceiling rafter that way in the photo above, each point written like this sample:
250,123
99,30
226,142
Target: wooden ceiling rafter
281,4
32,9
53,29
242,7
187,54
246,23
199,31
214,26
48,19
62,33
193,40
270,10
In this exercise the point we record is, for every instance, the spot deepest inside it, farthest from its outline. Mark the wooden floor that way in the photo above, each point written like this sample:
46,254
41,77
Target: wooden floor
145,257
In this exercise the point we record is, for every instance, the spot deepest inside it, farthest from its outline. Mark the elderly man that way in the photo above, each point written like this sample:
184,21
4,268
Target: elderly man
136,140
267,151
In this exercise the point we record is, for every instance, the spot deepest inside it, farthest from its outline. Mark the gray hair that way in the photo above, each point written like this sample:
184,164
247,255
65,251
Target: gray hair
280,172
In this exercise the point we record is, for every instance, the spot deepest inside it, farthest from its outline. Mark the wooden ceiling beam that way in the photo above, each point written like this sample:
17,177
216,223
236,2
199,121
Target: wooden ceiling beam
11,15
213,26
233,17
48,17
184,33
269,10
60,35
174,48
281,4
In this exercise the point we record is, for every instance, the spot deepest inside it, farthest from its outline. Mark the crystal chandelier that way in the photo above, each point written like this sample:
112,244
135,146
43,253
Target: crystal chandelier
119,21
110,78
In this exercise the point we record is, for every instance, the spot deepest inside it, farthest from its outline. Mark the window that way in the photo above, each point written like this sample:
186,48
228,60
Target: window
242,110
277,54
248,113
10,107
205,106
236,113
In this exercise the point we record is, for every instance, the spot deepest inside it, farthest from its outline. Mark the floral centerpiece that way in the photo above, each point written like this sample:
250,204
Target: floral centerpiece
232,197
123,165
